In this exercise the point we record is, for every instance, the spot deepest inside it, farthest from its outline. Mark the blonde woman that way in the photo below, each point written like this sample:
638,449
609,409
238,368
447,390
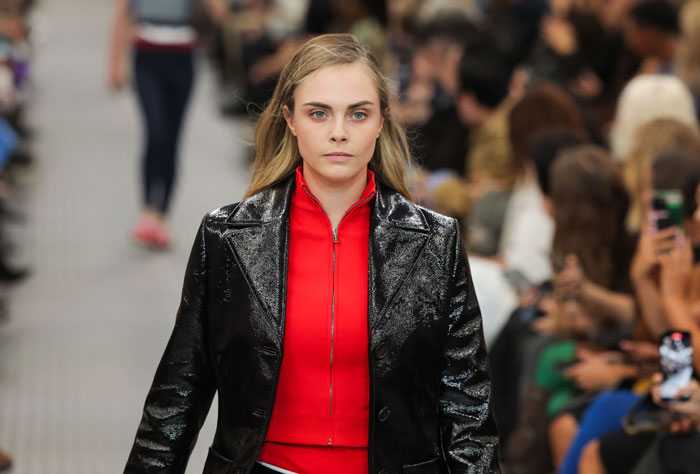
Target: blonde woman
652,138
335,318
646,98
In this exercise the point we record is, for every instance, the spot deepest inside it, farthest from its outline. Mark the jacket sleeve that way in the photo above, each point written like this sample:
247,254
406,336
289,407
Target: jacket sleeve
469,435
184,384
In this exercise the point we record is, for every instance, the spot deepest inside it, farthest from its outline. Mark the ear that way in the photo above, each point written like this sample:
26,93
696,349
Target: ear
288,118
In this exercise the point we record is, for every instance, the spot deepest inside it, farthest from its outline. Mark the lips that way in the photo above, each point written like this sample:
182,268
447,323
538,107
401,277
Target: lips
338,153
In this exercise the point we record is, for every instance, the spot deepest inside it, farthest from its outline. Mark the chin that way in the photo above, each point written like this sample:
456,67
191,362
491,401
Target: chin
339,172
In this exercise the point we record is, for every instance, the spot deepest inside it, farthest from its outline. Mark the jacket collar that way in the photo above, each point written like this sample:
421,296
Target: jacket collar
273,203
305,199
259,240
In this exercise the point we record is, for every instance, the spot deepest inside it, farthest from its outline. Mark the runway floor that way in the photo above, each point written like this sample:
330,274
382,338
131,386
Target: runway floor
87,329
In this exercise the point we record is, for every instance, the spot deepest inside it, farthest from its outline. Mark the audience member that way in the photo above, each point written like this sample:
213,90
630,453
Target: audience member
643,99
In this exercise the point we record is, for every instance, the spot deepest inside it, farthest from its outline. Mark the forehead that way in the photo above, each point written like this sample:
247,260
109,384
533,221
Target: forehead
338,85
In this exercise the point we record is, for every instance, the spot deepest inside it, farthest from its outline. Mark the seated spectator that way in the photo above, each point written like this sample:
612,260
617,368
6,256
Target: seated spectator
643,99
428,106
506,353
593,301
651,139
483,105
526,239
669,171
652,32
587,195
591,251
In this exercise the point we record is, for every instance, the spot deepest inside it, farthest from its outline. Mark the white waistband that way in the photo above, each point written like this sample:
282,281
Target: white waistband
166,34
275,468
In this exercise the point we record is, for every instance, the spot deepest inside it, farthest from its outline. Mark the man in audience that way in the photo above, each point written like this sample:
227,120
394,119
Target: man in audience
652,32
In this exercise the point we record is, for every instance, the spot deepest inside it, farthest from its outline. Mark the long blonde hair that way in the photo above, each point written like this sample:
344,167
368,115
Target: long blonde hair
276,149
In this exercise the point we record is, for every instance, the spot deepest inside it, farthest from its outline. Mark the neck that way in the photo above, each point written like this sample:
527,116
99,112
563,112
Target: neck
667,49
336,198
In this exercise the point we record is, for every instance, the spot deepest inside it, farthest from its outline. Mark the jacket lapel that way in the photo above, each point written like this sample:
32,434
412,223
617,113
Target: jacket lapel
398,234
258,236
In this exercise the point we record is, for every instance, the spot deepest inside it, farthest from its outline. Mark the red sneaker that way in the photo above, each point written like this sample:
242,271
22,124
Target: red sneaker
151,233
144,230
161,236
5,461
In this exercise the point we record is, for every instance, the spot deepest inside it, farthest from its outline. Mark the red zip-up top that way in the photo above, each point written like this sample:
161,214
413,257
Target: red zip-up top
320,419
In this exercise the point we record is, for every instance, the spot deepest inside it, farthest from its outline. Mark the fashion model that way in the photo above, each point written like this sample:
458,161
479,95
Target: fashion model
335,318
163,38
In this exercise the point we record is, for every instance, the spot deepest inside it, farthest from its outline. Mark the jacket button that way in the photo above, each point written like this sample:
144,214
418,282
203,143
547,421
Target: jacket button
384,414
381,351
259,412
383,471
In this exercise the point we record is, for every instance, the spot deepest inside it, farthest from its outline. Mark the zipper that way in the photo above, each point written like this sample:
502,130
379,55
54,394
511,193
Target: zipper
330,407
335,243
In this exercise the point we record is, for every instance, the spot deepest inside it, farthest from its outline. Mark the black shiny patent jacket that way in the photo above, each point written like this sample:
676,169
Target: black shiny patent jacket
429,386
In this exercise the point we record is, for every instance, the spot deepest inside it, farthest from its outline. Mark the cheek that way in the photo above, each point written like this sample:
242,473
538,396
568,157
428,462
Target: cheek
365,137
308,136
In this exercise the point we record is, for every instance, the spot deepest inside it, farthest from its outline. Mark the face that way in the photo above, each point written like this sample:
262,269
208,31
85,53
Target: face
427,61
438,62
337,119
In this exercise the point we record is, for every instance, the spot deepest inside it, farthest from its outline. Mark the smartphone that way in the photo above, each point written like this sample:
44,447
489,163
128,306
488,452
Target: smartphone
667,209
518,280
676,357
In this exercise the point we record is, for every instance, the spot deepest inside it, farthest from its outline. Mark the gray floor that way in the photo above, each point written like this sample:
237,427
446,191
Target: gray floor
87,329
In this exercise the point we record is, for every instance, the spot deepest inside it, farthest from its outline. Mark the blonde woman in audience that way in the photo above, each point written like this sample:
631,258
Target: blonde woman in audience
643,99
652,138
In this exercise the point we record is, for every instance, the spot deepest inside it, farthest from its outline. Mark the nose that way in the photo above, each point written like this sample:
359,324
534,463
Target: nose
338,132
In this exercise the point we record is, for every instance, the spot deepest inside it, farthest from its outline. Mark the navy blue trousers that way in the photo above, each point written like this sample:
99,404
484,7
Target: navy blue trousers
164,83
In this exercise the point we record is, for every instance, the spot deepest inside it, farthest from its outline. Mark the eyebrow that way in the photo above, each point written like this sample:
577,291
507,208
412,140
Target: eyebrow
321,105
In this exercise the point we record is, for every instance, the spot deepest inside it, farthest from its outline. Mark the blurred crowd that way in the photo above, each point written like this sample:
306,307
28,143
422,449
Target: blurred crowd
548,128
16,161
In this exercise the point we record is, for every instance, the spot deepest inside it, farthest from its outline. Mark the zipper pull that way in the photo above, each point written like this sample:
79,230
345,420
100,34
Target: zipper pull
335,235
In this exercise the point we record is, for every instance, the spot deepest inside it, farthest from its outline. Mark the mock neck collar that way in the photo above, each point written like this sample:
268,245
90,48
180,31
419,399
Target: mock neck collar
272,205
304,198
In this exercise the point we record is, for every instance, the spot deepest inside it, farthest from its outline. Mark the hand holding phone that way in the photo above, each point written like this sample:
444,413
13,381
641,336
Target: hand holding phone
685,414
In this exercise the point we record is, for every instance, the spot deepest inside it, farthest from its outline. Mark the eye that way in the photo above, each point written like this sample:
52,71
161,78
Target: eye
359,115
318,114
